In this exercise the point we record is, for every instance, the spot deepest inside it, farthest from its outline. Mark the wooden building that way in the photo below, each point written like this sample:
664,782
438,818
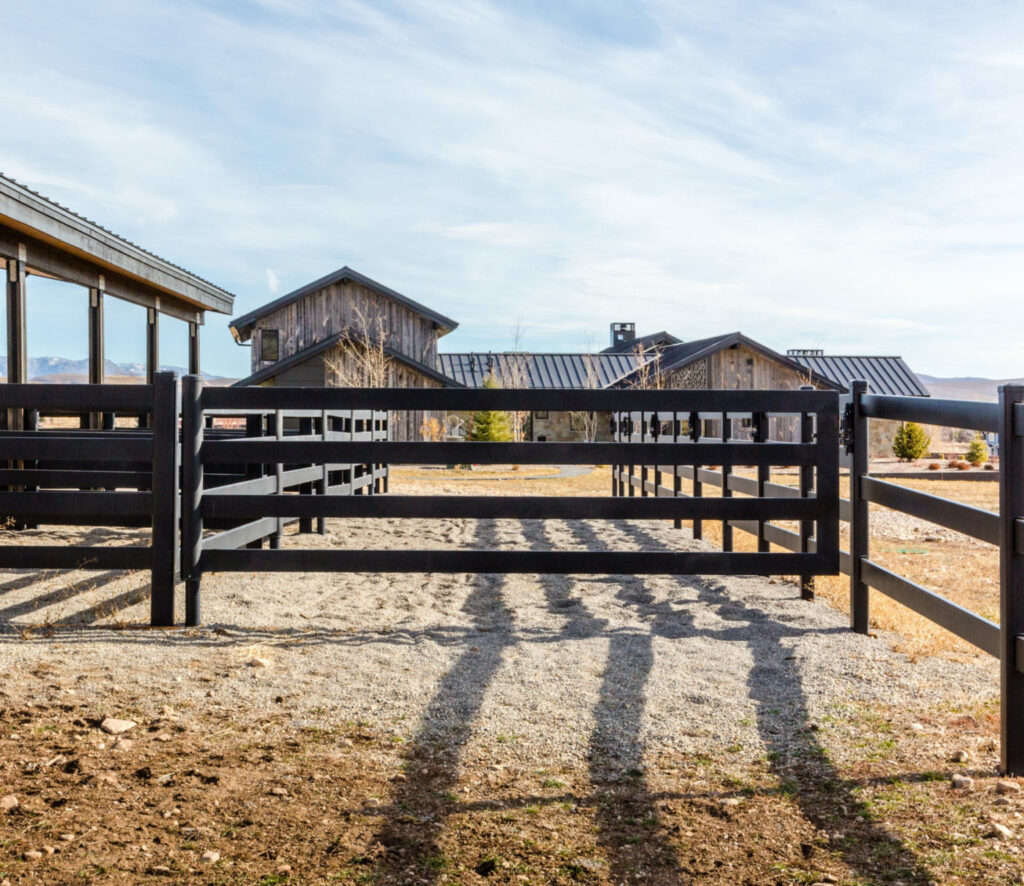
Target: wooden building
41,238
314,337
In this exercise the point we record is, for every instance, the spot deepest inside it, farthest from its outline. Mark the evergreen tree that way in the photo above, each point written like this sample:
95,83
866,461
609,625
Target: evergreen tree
491,425
911,442
977,451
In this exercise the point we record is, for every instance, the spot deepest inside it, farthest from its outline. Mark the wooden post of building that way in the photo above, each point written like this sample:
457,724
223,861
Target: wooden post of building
96,347
193,348
17,353
152,344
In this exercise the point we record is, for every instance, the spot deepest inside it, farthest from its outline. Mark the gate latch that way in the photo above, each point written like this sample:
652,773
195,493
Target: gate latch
846,427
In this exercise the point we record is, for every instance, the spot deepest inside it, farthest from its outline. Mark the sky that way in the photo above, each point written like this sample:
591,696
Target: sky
837,175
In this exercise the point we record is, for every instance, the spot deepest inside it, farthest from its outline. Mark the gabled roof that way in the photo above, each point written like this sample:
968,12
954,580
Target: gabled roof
539,370
677,356
644,342
241,327
267,372
47,222
886,375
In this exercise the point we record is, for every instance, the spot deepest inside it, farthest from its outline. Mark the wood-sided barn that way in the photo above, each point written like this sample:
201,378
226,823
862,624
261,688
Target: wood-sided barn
309,338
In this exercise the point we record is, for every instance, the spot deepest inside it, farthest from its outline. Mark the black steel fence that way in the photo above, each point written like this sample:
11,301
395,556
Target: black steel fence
85,477
1004,528
201,505
252,459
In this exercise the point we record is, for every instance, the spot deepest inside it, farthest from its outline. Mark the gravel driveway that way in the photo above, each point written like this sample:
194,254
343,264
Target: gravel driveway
557,662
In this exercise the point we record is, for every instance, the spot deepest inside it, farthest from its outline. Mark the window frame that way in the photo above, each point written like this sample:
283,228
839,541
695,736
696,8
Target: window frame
267,335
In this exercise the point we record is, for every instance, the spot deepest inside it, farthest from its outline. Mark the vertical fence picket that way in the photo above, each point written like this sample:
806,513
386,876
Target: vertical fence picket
277,416
859,527
677,481
726,491
1011,575
763,477
698,489
164,422
806,487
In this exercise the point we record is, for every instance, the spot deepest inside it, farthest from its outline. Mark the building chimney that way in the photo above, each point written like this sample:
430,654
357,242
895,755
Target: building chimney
623,332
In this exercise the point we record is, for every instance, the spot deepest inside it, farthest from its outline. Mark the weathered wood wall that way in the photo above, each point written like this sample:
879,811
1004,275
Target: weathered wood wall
346,305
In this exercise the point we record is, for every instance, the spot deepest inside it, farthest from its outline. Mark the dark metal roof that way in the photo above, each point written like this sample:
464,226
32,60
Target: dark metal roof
268,372
241,327
886,375
644,342
677,356
29,211
541,370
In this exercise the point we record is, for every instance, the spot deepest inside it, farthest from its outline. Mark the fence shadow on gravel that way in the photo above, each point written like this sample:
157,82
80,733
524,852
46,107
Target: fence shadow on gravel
421,805
796,757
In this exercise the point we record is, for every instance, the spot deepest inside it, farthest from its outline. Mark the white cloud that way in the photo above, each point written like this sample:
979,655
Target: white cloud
846,173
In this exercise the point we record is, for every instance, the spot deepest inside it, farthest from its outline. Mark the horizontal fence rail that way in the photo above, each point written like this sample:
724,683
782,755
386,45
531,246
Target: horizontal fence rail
253,460
246,502
1003,529
93,477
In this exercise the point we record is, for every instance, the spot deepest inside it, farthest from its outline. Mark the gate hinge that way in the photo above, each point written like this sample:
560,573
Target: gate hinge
846,428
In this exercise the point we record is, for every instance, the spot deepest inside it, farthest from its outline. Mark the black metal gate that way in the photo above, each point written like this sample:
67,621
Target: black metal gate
819,455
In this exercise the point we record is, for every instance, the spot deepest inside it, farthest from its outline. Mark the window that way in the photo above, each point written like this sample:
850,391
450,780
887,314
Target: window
270,351
541,414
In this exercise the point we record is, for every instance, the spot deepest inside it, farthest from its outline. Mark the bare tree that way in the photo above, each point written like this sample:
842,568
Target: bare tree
362,359
585,421
648,367
513,371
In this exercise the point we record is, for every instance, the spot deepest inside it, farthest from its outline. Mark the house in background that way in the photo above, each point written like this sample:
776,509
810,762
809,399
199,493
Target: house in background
309,336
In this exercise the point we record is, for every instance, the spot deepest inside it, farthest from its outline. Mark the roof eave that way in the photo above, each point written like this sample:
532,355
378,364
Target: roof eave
32,214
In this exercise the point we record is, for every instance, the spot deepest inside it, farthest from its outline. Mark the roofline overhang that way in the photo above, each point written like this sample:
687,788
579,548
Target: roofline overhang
241,327
30,215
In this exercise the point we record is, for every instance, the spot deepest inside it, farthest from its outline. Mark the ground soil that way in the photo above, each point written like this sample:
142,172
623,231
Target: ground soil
300,741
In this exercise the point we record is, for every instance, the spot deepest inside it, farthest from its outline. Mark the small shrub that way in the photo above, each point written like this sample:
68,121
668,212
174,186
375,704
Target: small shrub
977,451
990,467
911,442
934,466
963,465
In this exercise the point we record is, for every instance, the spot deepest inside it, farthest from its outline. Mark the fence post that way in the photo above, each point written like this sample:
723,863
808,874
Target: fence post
806,487
193,426
763,476
859,527
677,481
698,489
726,491
275,537
165,499
1011,574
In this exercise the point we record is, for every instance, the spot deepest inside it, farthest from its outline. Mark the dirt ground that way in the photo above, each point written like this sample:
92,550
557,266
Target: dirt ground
302,743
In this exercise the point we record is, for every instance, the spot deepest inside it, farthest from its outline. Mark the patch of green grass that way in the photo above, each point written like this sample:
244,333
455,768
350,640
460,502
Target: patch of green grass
552,783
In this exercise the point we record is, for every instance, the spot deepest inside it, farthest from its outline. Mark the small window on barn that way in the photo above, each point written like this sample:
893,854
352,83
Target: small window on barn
270,350
541,414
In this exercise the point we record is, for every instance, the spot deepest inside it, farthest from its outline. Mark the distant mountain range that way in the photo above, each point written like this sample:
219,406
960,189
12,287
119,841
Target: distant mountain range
64,370
966,388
